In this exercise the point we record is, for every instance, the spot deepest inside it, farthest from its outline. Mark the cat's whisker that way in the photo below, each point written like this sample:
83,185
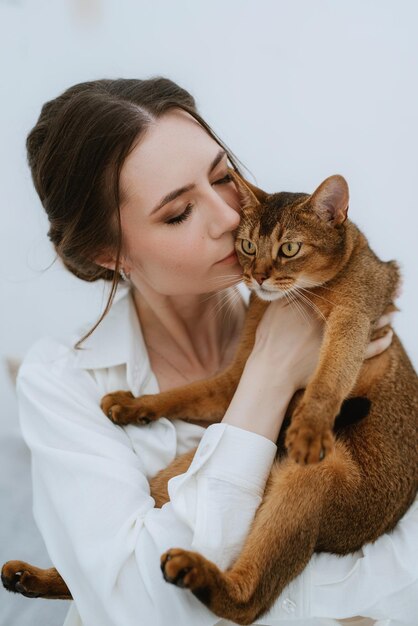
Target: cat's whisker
221,285
214,294
236,296
227,305
307,301
235,275
223,303
313,284
298,306
310,281
315,294
219,288
215,278
209,297
310,303
227,281
292,302
230,306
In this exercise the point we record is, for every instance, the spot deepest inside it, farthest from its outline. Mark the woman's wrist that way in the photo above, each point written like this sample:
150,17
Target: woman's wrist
260,401
279,379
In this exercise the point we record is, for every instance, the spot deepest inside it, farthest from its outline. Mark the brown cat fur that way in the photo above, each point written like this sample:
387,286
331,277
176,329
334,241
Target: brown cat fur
368,476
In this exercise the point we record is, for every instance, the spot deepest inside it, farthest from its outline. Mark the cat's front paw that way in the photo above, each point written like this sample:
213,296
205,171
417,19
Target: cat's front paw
122,408
309,442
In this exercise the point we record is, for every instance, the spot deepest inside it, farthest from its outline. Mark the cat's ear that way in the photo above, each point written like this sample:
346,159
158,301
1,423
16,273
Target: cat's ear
250,195
330,200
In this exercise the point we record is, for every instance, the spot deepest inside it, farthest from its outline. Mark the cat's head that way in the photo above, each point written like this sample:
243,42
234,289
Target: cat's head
290,241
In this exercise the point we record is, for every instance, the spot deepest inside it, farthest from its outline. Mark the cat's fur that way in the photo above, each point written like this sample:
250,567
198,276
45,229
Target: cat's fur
368,476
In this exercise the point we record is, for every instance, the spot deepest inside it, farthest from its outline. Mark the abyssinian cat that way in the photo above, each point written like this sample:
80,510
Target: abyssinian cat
331,488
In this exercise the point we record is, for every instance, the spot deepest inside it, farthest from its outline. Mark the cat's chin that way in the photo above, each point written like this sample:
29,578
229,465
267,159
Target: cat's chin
268,296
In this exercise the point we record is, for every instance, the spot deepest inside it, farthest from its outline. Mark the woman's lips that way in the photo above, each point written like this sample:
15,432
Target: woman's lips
229,259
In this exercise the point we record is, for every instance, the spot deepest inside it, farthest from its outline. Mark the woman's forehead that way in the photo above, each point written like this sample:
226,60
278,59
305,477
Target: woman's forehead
172,152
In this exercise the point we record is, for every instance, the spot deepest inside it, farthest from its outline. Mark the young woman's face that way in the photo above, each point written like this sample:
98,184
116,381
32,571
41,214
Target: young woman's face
176,248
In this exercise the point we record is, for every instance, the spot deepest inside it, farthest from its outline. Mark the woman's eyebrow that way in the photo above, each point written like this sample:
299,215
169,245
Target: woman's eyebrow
172,195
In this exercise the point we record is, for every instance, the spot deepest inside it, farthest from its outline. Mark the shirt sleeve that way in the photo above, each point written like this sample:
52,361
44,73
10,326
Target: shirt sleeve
93,507
380,581
92,502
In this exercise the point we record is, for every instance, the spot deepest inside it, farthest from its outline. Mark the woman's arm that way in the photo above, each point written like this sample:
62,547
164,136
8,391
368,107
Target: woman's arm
92,501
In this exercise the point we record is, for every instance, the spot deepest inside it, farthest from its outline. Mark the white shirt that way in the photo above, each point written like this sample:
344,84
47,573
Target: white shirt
92,503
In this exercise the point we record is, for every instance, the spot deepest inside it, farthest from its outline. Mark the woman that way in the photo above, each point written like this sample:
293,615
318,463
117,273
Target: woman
137,192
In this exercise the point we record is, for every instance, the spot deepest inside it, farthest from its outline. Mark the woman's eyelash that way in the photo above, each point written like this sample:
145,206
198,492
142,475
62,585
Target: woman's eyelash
189,207
182,217
225,179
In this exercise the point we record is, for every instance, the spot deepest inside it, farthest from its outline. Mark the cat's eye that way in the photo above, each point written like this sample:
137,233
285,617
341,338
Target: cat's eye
247,246
290,248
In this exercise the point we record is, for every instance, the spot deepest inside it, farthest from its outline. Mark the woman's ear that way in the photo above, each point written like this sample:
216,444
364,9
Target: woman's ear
108,260
105,260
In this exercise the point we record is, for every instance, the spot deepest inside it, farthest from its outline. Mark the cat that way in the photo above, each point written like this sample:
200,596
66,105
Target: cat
331,488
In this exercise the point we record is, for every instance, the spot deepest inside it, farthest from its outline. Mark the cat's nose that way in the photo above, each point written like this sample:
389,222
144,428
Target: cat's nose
260,277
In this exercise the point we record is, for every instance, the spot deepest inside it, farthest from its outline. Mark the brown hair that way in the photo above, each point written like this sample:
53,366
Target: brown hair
76,151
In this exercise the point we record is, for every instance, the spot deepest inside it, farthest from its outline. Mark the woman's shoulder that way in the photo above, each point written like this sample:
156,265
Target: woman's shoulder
113,356
108,344
47,350
47,358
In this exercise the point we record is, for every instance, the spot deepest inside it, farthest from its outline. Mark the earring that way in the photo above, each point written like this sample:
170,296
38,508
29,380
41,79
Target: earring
125,277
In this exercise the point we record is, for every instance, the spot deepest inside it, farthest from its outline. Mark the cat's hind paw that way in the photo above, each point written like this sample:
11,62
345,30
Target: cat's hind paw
309,444
17,577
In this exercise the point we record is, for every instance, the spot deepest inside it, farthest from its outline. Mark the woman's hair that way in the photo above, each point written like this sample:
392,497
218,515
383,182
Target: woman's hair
76,151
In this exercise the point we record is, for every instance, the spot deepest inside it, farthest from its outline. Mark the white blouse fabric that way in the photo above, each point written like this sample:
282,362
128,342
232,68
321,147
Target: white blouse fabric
92,503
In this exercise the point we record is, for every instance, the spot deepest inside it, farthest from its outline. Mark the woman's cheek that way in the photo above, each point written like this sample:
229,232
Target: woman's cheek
230,195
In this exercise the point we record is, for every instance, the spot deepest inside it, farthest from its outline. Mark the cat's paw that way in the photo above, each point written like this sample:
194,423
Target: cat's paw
17,577
184,569
122,408
308,443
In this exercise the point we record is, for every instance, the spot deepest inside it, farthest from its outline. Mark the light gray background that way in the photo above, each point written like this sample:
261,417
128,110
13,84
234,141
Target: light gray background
298,89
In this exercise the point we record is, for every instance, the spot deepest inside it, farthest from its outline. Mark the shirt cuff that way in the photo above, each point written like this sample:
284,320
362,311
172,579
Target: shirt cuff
218,495
226,453
236,455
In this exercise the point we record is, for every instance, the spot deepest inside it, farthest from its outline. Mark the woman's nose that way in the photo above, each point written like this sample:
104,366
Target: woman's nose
223,217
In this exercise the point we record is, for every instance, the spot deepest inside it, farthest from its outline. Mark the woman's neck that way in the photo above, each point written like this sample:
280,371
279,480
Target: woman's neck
191,330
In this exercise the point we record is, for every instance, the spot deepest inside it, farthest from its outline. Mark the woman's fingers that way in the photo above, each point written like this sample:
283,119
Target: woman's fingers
385,319
379,345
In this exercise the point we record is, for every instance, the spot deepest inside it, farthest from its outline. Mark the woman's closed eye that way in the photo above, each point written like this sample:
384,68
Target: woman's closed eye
183,216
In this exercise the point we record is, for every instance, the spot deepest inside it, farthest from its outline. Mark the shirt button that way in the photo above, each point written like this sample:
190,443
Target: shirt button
288,605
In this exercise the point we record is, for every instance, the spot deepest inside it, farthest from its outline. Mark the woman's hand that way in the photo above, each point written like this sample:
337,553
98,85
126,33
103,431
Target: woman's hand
284,357
289,340
379,345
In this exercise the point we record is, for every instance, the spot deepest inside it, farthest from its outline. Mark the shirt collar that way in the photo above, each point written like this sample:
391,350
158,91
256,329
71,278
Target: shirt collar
118,339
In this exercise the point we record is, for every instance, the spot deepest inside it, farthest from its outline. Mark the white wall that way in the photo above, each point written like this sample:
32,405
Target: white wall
299,90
